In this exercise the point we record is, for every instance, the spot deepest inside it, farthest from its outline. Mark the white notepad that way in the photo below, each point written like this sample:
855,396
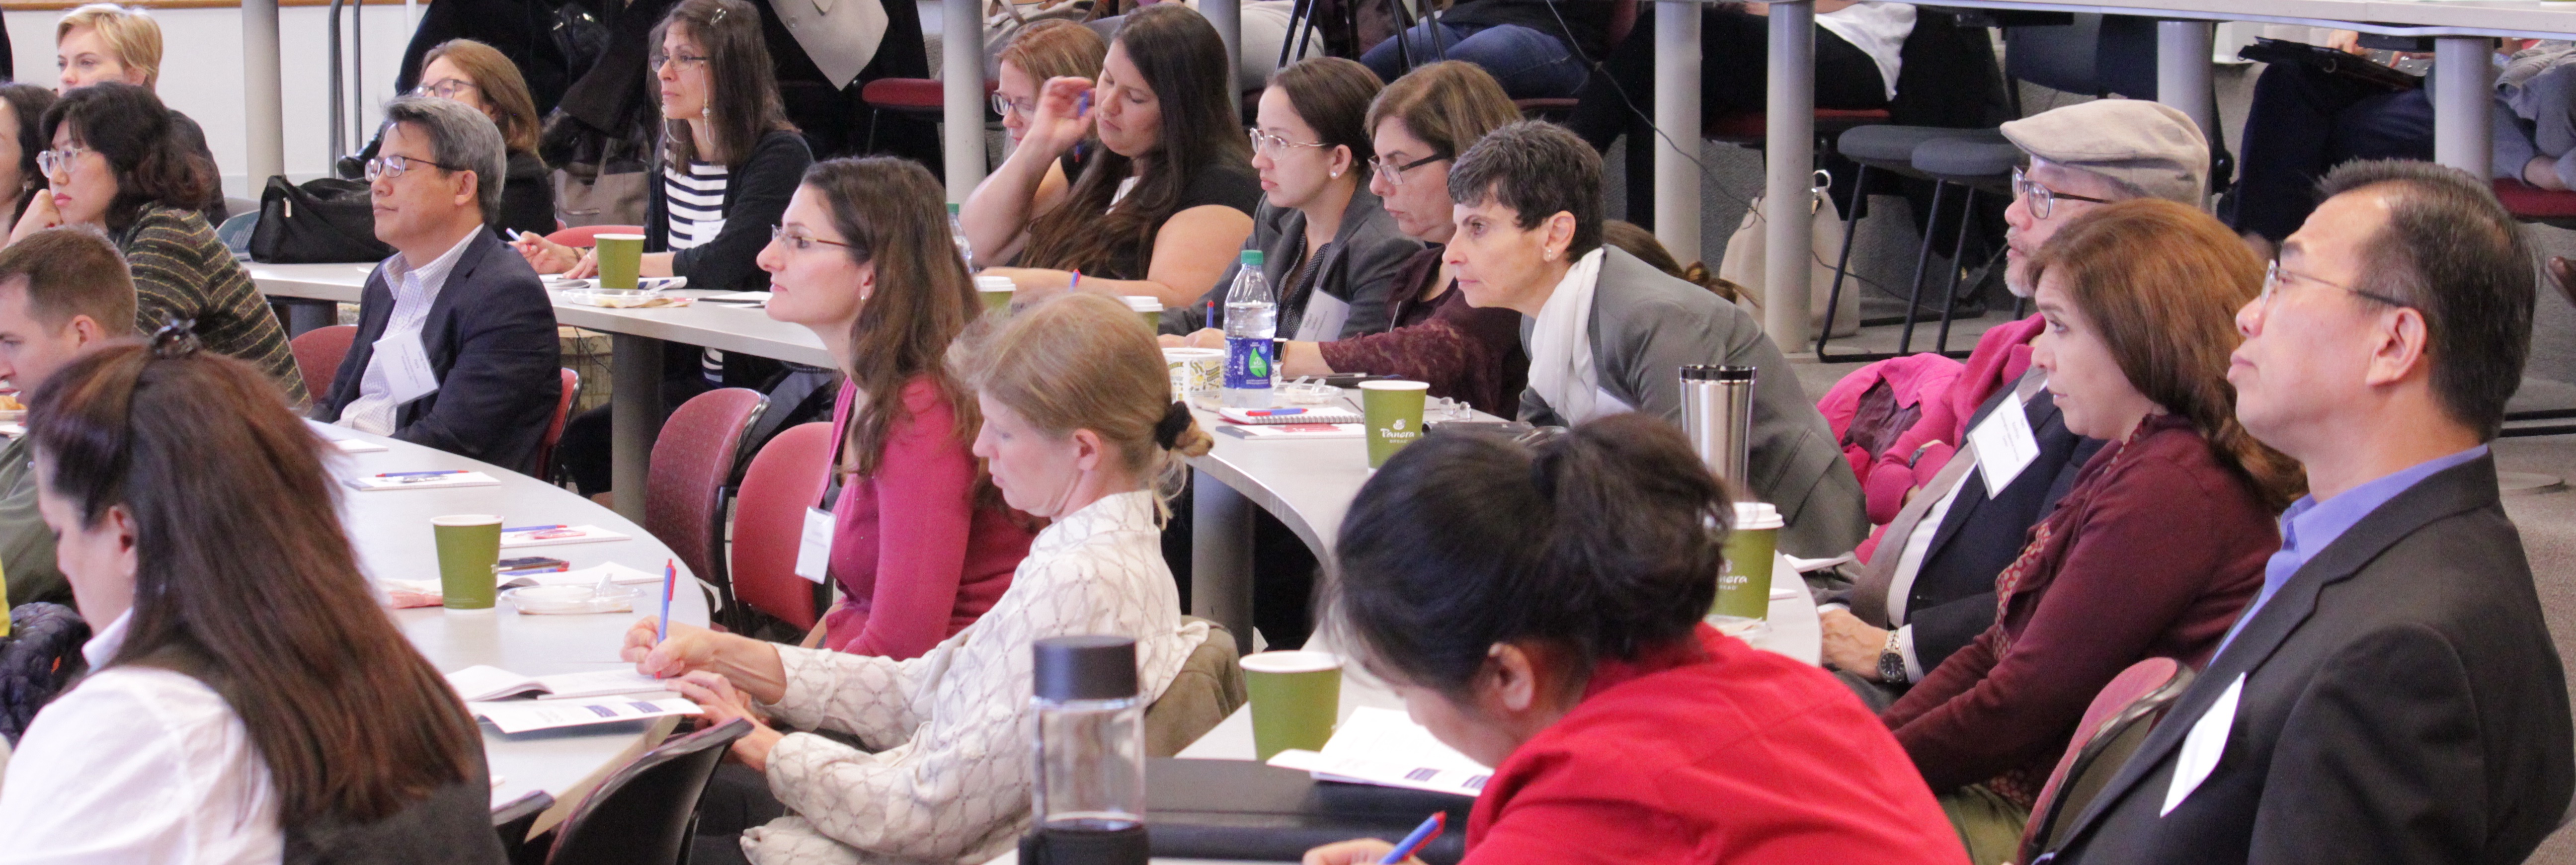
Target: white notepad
559,535
480,683
1296,431
617,574
404,481
1385,748
1289,414
358,446
520,716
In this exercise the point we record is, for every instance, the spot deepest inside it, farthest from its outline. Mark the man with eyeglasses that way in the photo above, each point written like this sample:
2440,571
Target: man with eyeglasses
456,343
1927,588
2392,694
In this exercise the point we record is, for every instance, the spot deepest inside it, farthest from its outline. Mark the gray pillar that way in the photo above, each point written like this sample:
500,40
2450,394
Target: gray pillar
1227,17
2462,95
1677,113
961,75
2182,72
634,416
1221,557
1790,160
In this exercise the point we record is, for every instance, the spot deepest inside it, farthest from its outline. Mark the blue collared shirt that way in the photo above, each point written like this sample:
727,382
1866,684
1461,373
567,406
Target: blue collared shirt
2310,526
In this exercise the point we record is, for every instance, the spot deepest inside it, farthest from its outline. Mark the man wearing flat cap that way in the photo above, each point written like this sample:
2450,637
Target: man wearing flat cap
1928,587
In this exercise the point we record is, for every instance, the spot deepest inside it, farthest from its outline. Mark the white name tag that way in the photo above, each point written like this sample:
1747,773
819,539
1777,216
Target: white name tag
814,547
406,363
2201,749
2005,445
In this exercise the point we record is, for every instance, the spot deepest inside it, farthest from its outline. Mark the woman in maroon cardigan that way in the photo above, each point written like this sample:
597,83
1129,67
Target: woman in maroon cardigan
2159,544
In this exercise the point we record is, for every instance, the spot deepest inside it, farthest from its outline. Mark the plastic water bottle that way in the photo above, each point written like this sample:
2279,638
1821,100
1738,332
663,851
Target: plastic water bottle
957,233
1251,320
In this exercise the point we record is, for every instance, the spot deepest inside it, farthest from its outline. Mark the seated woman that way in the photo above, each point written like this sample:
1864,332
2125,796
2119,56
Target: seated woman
1161,212
1079,428
2160,542
1857,58
1419,124
1046,51
187,497
1609,333
478,75
1538,608
1537,49
119,163
1329,251
104,42
728,164
921,544
22,136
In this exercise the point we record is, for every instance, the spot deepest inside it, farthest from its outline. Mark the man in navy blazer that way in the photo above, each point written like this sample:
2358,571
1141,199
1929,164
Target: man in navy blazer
2392,694
456,343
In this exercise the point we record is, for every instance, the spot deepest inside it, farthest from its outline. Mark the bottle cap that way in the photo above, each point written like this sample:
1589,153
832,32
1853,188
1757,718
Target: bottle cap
952,208
1089,667
1251,258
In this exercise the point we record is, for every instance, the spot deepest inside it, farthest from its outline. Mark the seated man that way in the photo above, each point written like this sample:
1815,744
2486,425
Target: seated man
2392,694
62,291
1608,333
1932,575
456,338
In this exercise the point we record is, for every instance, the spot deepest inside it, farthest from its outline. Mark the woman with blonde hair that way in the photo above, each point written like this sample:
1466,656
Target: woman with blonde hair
1046,51
1080,429
104,42
2162,539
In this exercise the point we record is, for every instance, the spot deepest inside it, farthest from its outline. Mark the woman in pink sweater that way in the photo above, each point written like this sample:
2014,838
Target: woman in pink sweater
921,542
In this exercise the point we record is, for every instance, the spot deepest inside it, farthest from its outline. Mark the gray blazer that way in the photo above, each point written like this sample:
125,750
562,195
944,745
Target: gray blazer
1647,325
1359,267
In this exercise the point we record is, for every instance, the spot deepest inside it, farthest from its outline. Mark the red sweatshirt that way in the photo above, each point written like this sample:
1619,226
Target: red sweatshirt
1711,752
917,560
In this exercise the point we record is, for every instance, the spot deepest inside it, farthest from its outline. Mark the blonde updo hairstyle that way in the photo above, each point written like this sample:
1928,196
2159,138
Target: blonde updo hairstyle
1085,361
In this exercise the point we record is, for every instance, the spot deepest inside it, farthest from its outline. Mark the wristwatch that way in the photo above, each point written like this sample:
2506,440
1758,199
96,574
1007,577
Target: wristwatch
1891,661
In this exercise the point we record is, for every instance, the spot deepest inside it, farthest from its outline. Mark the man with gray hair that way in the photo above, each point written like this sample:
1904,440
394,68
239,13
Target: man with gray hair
1927,588
456,340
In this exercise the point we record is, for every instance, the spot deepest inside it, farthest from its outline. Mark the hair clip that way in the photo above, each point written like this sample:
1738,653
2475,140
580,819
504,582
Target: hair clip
719,16
176,339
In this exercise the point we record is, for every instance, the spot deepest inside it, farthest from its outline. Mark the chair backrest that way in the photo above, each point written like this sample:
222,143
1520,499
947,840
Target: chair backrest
693,460
38,659
645,813
555,425
317,355
1208,688
1623,21
786,477
588,235
512,821
2114,726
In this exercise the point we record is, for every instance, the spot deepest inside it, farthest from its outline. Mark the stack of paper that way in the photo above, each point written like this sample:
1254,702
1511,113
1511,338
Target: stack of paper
423,480
547,536
613,572
479,683
358,446
1385,748
520,716
1296,431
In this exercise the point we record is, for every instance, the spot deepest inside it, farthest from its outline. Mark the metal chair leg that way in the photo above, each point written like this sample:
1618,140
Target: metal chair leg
1842,260
1958,249
1922,260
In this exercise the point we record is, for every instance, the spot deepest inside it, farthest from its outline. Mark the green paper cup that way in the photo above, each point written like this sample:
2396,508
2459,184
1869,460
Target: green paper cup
468,545
621,260
1148,308
1744,586
1394,413
1296,698
996,292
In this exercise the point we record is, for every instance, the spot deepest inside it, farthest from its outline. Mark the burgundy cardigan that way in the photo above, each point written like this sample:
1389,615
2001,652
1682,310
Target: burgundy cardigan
1465,353
2152,554
917,557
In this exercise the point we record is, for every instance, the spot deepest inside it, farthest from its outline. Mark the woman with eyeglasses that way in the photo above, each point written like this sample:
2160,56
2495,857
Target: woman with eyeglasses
120,163
1162,209
1046,51
729,162
1418,124
463,70
22,127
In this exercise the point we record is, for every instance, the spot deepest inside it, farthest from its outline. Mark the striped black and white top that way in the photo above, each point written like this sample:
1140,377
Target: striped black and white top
696,197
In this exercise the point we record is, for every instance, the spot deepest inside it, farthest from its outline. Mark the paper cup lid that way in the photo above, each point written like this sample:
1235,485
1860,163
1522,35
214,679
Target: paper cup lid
1757,515
1142,303
633,237
995,283
1395,385
1291,662
466,520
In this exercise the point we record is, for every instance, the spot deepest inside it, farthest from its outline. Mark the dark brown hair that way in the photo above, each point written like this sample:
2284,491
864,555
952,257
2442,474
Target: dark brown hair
498,80
1332,94
1056,48
245,579
72,270
742,87
1642,243
133,130
2161,282
2451,251
1448,105
29,102
1539,170
1179,58
887,209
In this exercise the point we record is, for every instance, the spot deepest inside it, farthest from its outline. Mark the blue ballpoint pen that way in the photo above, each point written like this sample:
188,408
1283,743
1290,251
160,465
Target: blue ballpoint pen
1420,838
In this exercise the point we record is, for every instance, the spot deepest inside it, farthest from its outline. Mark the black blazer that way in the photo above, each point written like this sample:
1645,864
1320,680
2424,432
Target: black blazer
2403,702
1953,596
491,342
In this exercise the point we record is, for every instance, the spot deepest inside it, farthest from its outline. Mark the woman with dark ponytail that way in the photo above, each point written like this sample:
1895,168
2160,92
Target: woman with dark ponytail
119,162
1539,609
2162,539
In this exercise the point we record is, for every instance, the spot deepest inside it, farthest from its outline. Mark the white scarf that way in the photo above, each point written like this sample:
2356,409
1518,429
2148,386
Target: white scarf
1561,348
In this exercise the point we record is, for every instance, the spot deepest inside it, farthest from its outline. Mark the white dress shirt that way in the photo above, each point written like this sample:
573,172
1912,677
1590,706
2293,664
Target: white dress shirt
1909,561
137,765
414,291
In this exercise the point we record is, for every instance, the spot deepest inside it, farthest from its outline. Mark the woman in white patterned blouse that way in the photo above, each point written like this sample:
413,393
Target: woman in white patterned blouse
1080,428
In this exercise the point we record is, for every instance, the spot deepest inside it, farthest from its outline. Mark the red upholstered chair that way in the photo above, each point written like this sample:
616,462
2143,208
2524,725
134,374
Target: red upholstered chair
318,353
586,235
2113,727
919,97
785,478
545,467
693,461
2533,204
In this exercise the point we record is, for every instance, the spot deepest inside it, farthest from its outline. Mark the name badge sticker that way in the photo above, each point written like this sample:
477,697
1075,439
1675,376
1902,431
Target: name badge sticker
2005,445
814,546
2203,746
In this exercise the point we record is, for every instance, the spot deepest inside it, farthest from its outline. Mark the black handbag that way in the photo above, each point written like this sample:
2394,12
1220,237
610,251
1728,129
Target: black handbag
325,220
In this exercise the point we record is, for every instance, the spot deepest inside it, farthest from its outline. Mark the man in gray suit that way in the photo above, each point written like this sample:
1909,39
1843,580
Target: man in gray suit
2392,694
1608,333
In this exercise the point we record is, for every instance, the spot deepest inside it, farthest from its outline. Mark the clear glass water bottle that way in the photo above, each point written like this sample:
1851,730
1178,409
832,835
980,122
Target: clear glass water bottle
957,233
1089,795
1251,321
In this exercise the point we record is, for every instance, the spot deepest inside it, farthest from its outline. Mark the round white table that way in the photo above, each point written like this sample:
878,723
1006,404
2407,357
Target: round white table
390,530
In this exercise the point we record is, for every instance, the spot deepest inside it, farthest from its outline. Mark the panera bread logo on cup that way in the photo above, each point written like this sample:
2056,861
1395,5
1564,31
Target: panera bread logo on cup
1393,410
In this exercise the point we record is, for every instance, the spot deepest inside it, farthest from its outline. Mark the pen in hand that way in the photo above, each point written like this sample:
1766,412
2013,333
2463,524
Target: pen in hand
1420,838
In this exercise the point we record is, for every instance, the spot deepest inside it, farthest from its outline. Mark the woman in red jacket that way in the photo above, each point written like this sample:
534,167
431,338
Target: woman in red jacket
921,542
2159,544
1538,608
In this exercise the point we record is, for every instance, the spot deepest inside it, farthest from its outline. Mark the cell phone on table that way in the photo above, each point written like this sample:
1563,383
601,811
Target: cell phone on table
525,564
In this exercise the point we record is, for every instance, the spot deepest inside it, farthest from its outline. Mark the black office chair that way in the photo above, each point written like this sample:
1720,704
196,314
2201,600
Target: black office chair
646,813
512,821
